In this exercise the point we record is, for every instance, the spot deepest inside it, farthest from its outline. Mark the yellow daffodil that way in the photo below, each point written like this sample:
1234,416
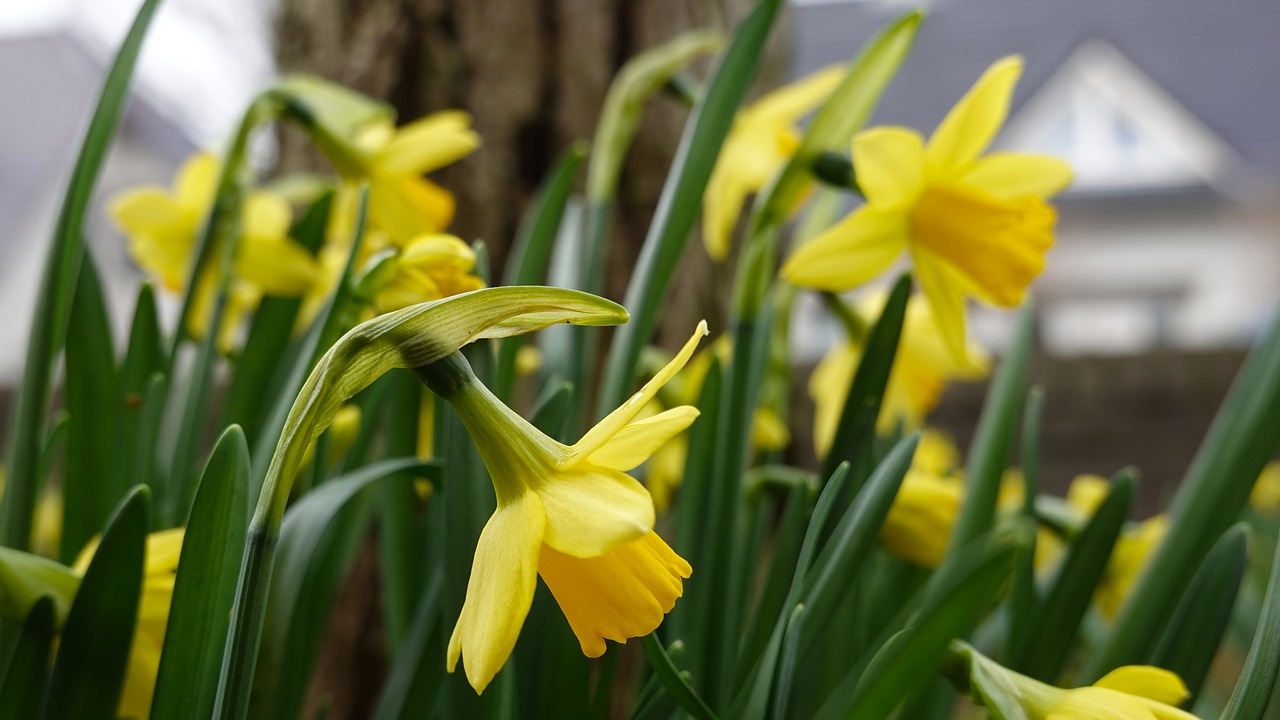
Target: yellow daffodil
762,139
1132,692
430,267
973,226
922,367
919,522
162,228
402,203
162,553
936,453
1265,496
568,513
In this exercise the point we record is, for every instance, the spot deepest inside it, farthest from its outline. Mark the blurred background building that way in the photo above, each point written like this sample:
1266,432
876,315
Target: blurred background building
1168,257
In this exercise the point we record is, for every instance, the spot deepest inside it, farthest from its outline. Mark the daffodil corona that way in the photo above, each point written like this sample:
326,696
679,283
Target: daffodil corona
972,225
568,513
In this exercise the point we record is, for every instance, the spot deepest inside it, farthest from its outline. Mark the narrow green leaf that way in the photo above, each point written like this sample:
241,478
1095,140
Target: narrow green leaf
1243,437
1054,622
531,250
1257,681
205,585
401,535
27,677
674,681
1022,597
1198,625
89,487
57,285
144,359
856,432
93,655
787,541
414,681
989,452
681,197
790,661
843,114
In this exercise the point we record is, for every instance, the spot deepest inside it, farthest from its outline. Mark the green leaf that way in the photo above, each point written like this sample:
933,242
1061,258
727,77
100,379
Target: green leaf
953,604
1054,622
205,585
843,114
25,578
675,683
143,360
790,661
27,677
1023,597
989,452
1241,440
414,680
681,198
1191,642
531,251
57,285
1258,678
856,433
401,535
89,673
89,487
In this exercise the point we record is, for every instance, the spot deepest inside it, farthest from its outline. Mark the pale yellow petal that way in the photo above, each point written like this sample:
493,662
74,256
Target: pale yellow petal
640,439
428,144
1086,493
1098,704
197,182
591,510
439,252
889,164
163,550
793,101
946,299
829,387
919,522
619,595
504,575
150,211
266,215
721,207
1163,686
278,267
769,432
974,121
615,421
1014,175
850,253
404,206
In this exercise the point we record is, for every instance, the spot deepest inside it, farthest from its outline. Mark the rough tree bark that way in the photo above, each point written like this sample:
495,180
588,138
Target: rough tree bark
533,74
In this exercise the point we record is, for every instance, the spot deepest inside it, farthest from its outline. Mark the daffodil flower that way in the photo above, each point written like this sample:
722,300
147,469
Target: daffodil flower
972,225
159,573
402,203
1132,692
568,513
1265,496
162,227
922,367
762,139
429,268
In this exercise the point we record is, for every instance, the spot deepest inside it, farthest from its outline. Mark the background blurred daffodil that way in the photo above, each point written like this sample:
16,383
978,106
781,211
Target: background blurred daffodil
570,514
762,139
429,268
162,228
973,226
159,573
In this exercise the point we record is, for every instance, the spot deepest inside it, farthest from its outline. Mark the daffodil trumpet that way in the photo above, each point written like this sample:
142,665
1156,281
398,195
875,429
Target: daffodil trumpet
569,514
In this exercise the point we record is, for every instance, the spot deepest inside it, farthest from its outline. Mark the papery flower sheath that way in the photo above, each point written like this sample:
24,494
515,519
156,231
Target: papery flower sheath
973,225
568,513
158,576
762,139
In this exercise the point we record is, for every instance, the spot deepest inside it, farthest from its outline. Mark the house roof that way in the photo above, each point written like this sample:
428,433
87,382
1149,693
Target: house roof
1220,63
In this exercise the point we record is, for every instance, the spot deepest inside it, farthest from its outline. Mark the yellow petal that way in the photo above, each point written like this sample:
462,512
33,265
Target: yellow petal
946,299
278,267
266,215
197,182
1154,683
500,590
889,164
640,439
404,206
721,208
769,432
793,101
437,253
850,253
152,212
619,595
1086,493
614,422
428,144
974,121
1014,175
592,510
918,525
829,387
163,550
665,471
1098,704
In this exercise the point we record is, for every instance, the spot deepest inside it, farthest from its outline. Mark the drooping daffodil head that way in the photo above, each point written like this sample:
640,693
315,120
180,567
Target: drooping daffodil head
163,550
972,225
568,513
762,139
922,368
